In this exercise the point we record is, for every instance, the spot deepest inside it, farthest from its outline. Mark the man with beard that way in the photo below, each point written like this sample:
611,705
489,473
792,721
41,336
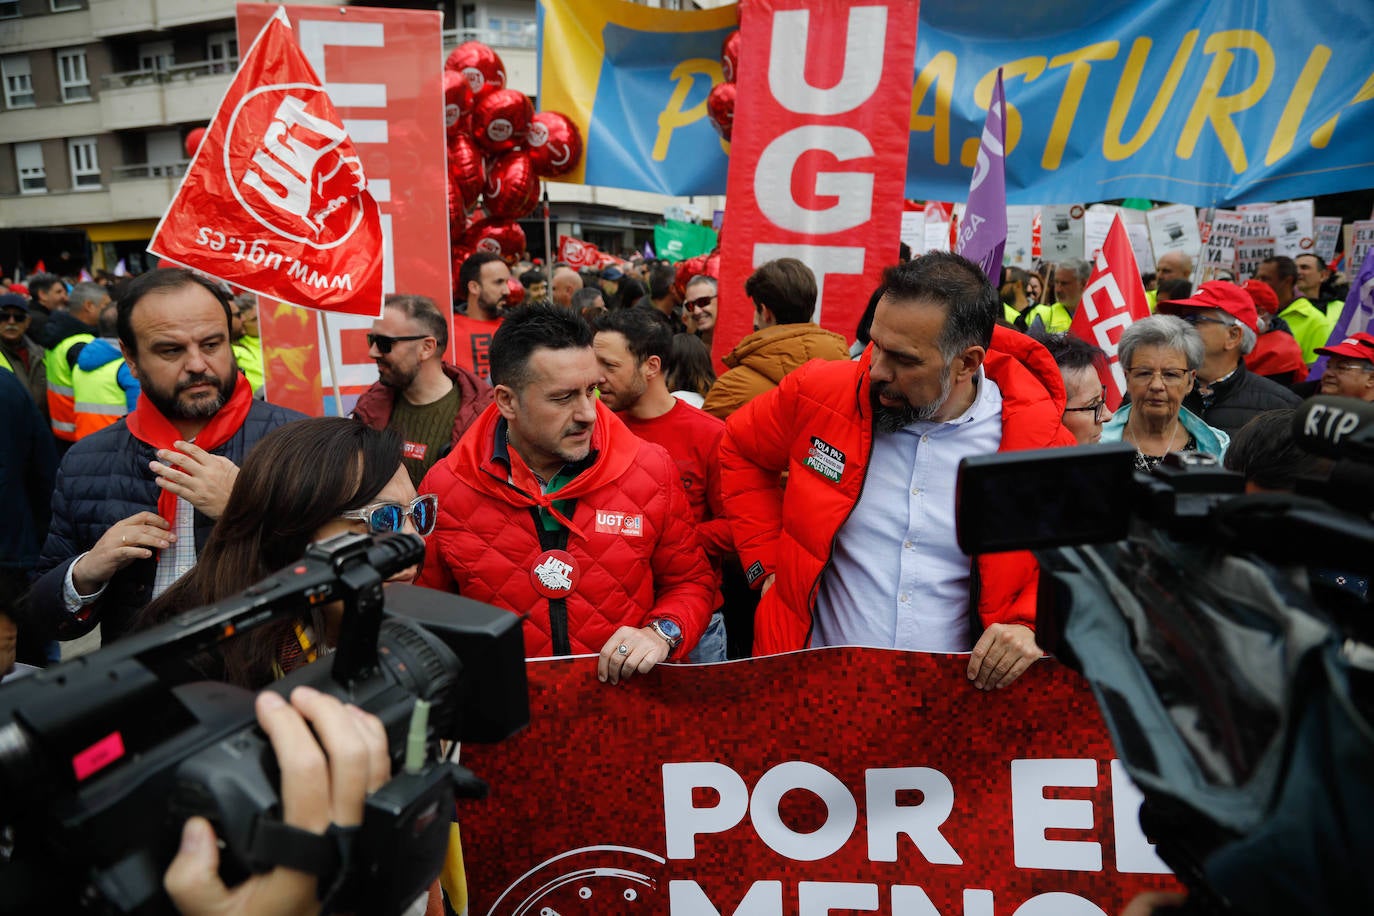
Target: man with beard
430,403
135,500
484,288
551,508
859,549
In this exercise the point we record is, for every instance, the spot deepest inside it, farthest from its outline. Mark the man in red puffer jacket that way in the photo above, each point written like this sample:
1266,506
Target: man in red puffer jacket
859,549
551,508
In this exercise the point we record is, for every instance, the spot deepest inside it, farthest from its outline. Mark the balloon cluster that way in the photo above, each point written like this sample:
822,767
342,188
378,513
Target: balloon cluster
707,265
720,104
498,150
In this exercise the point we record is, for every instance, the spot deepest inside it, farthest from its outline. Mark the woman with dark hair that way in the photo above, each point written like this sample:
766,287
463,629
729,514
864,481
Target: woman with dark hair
690,375
304,482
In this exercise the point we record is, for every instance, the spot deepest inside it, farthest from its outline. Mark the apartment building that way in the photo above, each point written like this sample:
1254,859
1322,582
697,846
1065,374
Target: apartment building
97,97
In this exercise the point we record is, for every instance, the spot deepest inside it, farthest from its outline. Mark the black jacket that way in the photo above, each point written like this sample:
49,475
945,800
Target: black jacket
1235,401
104,479
28,462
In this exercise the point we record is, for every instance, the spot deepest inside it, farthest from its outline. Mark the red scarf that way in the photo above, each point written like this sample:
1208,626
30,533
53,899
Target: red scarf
149,425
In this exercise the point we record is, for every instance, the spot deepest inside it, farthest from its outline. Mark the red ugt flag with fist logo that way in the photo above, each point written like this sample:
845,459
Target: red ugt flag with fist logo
275,200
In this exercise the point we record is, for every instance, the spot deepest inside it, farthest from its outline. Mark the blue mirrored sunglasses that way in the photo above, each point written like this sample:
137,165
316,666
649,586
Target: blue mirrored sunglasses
384,518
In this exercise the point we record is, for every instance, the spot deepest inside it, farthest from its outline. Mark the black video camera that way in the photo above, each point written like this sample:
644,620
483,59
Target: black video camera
103,758
1238,689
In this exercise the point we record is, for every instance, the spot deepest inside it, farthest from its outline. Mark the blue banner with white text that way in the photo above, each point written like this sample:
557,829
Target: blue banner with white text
1208,104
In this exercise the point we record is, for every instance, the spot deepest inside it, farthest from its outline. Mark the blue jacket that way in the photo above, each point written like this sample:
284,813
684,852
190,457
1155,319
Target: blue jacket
1210,440
28,461
104,479
101,351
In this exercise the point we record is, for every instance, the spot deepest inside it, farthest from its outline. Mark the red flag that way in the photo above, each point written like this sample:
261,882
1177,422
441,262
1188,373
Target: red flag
40,267
578,254
275,200
1113,298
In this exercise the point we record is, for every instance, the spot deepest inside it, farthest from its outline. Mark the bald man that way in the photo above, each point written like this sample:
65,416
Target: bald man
566,281
1172,265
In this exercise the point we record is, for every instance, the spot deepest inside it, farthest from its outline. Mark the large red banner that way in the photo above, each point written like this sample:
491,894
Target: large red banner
831,779
383,69
276,199
818,153
1112,300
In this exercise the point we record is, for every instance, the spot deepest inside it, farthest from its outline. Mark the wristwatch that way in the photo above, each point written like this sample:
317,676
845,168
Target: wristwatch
669,630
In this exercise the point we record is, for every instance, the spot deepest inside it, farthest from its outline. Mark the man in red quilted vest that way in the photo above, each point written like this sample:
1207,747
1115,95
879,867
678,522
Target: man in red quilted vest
860,548
550,507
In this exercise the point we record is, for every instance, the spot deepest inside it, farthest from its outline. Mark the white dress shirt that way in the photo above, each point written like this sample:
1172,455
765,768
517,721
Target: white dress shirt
897,578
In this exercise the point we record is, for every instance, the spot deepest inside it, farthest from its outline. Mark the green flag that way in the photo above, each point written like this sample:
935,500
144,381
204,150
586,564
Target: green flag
676,241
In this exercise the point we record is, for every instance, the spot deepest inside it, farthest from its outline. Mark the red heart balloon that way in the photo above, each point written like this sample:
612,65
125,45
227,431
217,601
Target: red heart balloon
512,188
720,105
454,88
480,66
729,56
499,236
466,170
517,293
193,142
554,144
457,218
500,120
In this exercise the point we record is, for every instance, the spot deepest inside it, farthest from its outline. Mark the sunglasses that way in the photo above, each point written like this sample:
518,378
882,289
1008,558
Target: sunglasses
693,304
13,317
385,518
384,343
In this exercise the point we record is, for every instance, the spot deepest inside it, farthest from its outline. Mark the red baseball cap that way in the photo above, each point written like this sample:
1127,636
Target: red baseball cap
1217,294
1266,300
1356,346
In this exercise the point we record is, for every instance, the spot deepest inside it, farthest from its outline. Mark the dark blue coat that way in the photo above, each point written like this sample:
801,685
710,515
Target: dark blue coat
104,479
28,464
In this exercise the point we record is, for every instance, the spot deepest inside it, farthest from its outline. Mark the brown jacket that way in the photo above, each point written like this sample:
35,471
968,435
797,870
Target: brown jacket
760,361
376,403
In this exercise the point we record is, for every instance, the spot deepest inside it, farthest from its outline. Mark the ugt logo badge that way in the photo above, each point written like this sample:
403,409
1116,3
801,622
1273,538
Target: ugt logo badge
825,459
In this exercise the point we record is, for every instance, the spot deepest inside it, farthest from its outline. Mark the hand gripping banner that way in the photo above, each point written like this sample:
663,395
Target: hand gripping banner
275,200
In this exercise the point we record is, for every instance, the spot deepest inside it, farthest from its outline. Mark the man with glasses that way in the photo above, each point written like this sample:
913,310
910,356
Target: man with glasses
699,306
18,351
1350,368
429,402
1227,395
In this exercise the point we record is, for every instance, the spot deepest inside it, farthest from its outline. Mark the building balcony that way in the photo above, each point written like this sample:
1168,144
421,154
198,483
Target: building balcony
31,33
183,93
128,17
75,119
124,198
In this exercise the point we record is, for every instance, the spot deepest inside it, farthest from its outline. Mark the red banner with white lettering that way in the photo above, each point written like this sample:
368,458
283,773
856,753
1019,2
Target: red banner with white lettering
1112,299
831,779
579,254
276,200
818,152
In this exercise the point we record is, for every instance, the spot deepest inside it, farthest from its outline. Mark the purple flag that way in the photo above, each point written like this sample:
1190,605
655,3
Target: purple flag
983,231
1358,313
648,252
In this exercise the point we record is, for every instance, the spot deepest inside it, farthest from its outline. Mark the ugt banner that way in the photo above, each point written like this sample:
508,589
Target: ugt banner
818,781
815,173
276,200
378,66
1209,104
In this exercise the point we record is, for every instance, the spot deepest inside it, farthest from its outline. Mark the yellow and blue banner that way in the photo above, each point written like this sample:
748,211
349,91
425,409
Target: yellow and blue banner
1210,104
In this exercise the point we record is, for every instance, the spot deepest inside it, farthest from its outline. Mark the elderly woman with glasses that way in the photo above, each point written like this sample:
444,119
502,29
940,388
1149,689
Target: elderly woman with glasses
1160,356
303,482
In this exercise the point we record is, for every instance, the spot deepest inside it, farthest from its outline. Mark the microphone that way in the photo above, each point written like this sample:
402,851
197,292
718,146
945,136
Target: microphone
1341,428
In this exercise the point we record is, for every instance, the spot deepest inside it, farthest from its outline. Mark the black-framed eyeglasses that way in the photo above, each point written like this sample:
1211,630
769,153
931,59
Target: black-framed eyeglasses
700,302
1194,318
384,343
384,518
13,317
1099,409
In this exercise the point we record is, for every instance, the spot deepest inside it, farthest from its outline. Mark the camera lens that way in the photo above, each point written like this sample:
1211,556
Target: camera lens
420,663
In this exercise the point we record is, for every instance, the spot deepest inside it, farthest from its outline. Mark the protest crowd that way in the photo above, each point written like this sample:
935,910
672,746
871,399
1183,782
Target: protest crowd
566,444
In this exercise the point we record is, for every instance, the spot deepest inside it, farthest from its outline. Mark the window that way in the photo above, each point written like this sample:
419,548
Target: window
28,162
155,57
9,9
18,80
222,51
71,73
62,6
85,166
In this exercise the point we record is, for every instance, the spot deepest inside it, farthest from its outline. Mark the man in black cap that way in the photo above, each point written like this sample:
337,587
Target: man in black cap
18,351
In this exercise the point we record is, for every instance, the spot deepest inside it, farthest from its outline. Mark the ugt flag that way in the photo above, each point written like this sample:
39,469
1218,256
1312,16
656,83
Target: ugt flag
275,200
1113,298
983,232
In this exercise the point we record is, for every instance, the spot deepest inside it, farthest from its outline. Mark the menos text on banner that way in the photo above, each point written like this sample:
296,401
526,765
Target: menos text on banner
805,179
